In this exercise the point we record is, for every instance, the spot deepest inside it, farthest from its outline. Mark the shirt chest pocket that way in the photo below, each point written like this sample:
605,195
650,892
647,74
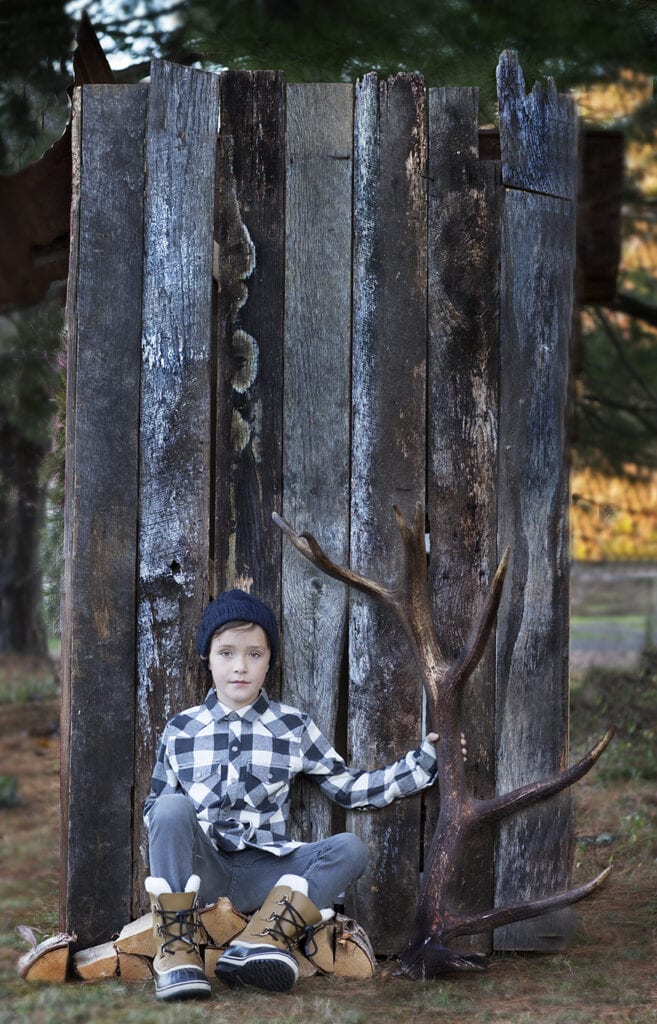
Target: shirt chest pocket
190,773
265,784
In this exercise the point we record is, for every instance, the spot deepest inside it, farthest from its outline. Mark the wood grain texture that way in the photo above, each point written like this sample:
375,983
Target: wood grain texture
388,467
317,402
462,429
538,136
533,857
175,429
98,634
538,133
250,231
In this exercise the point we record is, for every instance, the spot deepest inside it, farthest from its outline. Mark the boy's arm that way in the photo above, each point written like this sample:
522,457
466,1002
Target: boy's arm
353,788
163,780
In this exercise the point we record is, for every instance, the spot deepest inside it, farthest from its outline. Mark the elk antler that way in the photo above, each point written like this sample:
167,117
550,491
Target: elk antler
436,922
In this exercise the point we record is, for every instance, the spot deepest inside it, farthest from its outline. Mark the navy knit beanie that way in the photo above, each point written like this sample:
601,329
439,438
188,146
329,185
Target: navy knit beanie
233,606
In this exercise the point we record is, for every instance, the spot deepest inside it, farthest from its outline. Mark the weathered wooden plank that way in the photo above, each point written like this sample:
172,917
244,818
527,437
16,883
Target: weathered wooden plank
317,404
388,466
250,230
174,496
538,133
70,511
98,634
534,849
536,310
463,366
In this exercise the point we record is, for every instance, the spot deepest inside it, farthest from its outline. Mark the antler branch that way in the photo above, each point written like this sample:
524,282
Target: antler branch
306,544
460,814
474,647
524,796
500,916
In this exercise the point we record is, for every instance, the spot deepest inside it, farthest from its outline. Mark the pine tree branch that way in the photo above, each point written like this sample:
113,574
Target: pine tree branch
641,414
624,303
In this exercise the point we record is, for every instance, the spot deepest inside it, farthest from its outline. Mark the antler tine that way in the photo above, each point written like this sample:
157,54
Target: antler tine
473,649
499,916
524,796
308,546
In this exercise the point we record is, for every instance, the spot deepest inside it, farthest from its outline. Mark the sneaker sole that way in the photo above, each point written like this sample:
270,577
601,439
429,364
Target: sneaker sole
271,974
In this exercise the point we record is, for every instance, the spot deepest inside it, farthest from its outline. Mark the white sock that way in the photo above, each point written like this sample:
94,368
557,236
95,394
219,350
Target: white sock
156,886
295,882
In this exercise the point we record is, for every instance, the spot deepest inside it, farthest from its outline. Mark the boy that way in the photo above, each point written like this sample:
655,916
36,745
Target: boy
218,810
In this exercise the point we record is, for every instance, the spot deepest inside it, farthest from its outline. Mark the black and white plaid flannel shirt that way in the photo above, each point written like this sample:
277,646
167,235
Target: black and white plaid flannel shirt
237,767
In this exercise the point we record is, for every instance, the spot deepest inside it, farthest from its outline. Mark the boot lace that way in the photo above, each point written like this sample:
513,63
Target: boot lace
304,934
186,926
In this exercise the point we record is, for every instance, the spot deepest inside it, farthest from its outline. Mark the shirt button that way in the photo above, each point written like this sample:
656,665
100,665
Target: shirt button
235,749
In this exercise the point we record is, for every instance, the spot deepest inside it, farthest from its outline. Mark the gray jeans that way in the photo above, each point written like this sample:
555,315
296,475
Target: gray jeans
178,848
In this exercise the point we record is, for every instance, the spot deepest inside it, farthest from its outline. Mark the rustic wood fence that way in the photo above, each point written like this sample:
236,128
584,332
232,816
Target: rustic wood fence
329,305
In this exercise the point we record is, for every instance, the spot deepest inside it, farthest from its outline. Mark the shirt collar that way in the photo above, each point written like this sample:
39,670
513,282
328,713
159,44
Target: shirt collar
250,713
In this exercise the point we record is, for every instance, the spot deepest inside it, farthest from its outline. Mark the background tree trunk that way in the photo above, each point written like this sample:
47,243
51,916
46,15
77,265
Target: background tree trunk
22,504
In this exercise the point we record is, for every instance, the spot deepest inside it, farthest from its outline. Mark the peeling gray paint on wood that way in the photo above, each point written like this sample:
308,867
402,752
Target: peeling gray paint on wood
175,429
388,467
317,399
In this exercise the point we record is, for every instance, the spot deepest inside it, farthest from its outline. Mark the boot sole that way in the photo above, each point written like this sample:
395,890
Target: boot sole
193,987
272,973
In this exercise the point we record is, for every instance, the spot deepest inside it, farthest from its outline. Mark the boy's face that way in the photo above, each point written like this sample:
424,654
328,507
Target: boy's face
239,659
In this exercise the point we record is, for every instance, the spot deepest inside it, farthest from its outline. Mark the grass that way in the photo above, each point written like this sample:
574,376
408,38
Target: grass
607,974
28,679
627,699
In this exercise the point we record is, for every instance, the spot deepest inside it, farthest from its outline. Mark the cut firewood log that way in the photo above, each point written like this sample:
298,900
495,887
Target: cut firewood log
137,937
354,956
211,955
47,960
97,962
220,922
133,967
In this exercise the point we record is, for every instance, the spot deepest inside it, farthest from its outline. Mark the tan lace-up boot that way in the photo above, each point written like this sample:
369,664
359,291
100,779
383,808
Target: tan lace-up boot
261,955
178,965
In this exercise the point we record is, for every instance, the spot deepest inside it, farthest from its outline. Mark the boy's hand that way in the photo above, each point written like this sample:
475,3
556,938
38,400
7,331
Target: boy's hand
433,737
